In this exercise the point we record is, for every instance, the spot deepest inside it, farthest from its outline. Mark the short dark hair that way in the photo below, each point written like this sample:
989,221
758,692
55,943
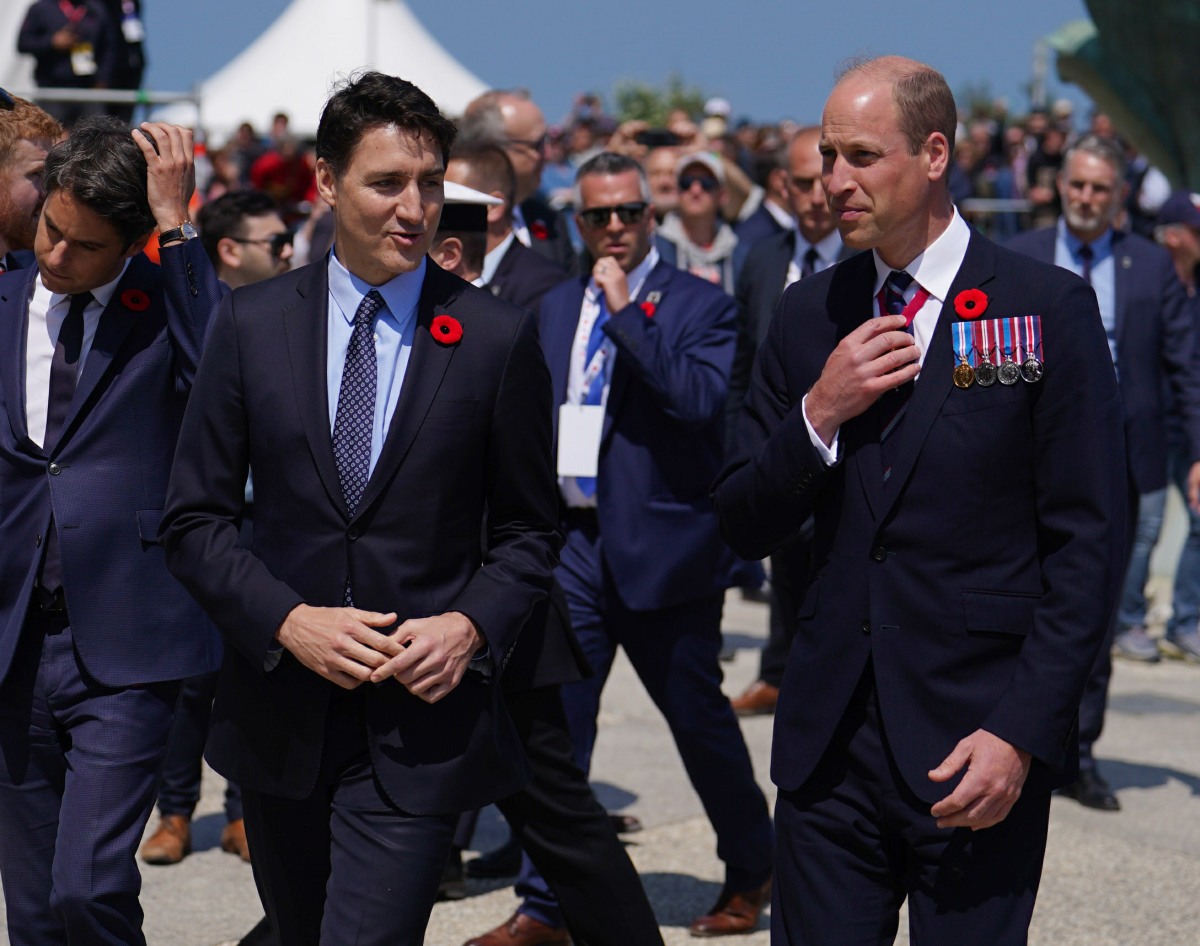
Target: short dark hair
609,163
226,217
491,168
372,100
104,169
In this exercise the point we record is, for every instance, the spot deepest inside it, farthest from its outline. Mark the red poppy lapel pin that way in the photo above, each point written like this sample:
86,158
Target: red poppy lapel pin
135,300
538,230
650,306
446,329
970,303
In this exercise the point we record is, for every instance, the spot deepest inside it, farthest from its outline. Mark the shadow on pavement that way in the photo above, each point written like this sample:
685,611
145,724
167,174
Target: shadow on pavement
1134,775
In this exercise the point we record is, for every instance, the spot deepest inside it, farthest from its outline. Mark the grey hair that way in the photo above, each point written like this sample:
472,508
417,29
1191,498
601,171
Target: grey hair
607,163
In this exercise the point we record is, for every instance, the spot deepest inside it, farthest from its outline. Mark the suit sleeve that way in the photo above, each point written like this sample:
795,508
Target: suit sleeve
1081,489
689,374
774,475
522,501
192,292
206,498
1178,347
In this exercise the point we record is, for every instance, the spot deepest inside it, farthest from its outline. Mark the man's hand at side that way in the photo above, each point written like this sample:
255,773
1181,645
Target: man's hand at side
434,656
340,644
996,771
876,357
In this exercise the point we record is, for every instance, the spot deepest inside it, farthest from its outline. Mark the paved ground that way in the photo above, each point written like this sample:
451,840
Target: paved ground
1126,879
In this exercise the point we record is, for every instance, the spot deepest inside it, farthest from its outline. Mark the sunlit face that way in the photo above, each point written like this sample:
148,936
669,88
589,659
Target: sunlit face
881,196
1091,195
387,203
627,243
702,197
249,258
805,195
21,193
664,183
77,249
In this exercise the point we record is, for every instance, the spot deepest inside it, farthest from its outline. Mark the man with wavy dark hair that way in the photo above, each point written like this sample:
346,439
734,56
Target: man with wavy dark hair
388,410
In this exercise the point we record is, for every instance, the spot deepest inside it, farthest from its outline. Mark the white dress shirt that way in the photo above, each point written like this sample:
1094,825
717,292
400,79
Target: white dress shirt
47,312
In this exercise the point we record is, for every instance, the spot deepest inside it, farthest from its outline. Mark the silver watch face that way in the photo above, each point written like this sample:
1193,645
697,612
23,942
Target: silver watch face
189,231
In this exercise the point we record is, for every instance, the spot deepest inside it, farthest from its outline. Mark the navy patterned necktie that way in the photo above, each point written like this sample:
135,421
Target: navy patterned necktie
355,416
892,404
1086,255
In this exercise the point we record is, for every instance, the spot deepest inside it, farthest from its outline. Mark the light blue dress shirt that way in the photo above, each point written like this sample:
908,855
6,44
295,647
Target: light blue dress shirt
395,327
1103,276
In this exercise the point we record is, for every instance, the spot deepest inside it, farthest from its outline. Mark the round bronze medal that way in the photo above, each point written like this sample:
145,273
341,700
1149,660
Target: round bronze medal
985,374
1031,370
964,376
1008,373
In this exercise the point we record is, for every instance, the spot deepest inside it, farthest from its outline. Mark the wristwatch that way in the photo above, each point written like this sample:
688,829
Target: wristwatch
185,231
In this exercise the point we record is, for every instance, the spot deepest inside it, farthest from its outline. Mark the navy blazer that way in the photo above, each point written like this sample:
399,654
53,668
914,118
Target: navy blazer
1155,337
106,478
663,433
978,579
549,235
524,276
469,443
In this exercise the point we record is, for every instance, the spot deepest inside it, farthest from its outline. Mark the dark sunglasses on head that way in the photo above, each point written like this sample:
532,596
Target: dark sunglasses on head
708,184
626,213
278,241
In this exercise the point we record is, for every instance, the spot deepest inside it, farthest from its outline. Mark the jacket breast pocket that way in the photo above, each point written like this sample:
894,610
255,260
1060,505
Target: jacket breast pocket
999,614
975,398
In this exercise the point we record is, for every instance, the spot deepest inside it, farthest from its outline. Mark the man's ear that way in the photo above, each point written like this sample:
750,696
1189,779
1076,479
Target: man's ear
939,155
229,253
497,212
326,182
448,254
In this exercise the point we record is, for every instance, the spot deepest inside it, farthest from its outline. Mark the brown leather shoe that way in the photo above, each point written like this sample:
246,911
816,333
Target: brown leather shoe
758,699
734,912
233,839
522,930
171,841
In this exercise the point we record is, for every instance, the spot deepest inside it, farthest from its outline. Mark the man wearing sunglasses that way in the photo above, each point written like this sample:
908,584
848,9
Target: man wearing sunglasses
639,355
704,244
26,134
245,237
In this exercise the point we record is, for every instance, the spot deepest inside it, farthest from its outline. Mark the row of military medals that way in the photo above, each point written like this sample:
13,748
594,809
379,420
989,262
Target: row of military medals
1017,340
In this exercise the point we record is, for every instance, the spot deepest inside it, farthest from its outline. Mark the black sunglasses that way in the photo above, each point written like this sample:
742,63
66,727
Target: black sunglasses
707,184
626,213
278,241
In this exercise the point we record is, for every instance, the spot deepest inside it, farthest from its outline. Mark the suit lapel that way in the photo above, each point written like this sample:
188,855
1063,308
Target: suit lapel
306,336
15,302
1122,278
935,381
656,281
557,333
427,364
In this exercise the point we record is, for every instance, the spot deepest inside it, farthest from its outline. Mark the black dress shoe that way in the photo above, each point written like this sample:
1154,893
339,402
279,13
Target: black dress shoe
453,885
504,861
625,824
1091,791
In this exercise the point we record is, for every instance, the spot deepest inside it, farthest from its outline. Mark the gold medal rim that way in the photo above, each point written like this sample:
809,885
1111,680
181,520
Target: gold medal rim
964,376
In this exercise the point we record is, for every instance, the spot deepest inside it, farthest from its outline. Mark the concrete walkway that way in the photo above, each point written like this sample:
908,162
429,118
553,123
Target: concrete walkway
1125,879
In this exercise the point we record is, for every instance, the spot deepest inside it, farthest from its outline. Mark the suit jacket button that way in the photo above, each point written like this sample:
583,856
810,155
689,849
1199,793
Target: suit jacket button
879,553
54,469
37,543
352,534
866,627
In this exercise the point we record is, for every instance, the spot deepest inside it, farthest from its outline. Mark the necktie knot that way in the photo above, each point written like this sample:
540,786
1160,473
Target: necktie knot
371,304
895,286
1086,252
809,264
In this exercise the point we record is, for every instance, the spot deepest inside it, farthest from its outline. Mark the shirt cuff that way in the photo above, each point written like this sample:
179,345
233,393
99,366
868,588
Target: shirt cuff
828,454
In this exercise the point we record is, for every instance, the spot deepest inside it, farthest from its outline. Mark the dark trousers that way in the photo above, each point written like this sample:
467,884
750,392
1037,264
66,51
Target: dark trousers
79,766
854,842
345,865
790,565
1095,695
183,768
675,653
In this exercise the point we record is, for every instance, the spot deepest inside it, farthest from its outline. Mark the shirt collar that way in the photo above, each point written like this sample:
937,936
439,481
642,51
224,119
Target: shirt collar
102,294
782,217
635,278
491,260
400,293
1101,247
934,270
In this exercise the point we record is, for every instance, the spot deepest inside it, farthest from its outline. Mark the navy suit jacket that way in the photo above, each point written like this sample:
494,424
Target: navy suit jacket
1155,336
106,478
524,276
469,443
663,433
549,235
978,579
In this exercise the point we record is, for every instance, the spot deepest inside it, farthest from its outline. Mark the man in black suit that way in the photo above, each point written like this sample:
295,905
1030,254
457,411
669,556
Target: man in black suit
510,119
387,409
511,270
26,134
772,215
810,247
967,540
1150,338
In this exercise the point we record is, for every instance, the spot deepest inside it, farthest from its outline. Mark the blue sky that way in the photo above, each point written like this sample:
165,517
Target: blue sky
770,58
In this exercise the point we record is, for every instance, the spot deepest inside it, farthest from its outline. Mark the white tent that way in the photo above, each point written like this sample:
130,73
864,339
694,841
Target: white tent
291,67
16,71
